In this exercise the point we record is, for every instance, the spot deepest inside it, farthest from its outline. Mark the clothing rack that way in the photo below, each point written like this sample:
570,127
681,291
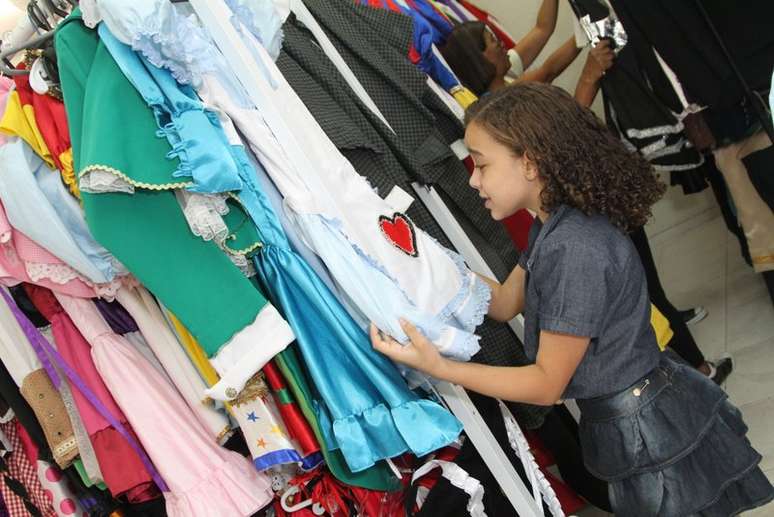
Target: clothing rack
216,18
35,42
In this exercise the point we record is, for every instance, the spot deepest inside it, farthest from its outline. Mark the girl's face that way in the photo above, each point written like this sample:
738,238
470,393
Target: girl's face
495,53
505,181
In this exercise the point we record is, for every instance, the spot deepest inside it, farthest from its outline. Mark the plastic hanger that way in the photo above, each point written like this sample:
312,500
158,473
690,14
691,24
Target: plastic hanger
55,7
317,509
37,16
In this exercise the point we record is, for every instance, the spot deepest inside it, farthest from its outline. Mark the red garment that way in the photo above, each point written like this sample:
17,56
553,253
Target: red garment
123,472
297,426
50,117
20,469
30,447
518,224
491,22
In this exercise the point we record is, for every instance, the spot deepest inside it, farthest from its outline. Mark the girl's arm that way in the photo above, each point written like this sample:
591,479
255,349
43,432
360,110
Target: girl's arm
599,60
554,65
533,42
507,298
542,383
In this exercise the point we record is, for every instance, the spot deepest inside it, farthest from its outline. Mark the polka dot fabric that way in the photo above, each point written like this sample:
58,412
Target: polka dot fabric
55,487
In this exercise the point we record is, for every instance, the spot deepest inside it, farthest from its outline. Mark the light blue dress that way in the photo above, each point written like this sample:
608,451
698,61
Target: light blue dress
38,205
365,408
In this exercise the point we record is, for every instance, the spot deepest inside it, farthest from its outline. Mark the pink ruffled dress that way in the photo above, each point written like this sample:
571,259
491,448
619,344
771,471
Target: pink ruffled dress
204,479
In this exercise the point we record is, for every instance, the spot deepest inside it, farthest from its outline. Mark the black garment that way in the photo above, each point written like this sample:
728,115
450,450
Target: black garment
419,150
684,40
559,433
375,44
27,307
446,500
682,342
640,105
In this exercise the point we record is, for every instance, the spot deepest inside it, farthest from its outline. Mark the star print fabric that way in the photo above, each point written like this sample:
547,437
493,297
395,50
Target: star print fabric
268,439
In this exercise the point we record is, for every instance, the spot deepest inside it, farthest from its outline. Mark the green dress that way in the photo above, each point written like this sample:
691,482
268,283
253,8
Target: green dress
113,130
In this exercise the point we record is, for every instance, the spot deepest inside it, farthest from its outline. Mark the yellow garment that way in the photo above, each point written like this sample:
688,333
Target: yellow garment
464,96
194,351
19,121
68,174
661,327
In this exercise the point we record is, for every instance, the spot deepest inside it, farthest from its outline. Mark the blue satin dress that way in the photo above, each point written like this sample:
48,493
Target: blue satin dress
365,408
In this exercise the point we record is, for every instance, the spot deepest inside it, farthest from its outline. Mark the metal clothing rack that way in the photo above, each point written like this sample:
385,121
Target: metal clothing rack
35,42
216,18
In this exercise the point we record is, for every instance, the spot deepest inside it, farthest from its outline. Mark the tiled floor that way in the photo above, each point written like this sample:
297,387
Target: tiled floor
700,264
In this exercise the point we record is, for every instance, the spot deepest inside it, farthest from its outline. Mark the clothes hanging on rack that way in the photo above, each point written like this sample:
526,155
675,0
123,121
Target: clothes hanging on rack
376,153
642,107
684,40
121,468
245,313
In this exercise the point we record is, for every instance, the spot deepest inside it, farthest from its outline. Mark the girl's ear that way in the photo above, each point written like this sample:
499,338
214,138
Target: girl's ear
530,167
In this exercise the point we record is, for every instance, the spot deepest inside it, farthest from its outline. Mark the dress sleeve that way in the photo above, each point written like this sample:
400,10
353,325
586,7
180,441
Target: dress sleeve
573,280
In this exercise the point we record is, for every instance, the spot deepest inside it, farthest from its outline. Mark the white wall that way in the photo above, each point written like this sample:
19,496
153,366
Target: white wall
9,13
518,16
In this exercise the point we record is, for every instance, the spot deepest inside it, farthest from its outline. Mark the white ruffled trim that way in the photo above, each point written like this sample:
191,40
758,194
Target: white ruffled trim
458,477
248,351
99,181
540,484
90,13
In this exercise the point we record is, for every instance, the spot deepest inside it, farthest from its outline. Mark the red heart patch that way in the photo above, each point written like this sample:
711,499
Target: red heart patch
399,231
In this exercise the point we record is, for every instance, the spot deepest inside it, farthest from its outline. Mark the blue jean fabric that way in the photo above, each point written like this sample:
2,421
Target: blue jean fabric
671,444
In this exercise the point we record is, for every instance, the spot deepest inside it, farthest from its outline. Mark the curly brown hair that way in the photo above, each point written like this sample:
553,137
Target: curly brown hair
580,162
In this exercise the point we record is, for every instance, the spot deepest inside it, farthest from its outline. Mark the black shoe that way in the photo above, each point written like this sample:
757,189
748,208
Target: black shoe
695,315
720,370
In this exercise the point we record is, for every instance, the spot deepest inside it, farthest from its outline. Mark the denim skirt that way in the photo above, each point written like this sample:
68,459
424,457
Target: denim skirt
672,444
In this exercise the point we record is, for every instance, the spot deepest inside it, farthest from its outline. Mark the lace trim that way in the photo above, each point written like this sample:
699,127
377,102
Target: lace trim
135,183
204,214
472,287
100,181
462,350
540,484
57,273
170,33
66,448
62,274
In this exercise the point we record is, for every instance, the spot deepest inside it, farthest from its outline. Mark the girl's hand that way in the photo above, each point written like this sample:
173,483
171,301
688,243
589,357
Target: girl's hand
420,353
599,61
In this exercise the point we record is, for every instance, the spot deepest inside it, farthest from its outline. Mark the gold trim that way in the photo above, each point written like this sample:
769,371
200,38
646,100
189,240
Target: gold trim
763,259
140,184
226,430
244,251
254,389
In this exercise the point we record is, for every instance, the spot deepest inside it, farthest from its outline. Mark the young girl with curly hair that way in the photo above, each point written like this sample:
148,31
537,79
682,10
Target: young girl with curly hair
664,436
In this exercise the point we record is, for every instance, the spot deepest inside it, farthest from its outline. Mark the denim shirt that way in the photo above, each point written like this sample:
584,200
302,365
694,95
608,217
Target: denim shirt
584,278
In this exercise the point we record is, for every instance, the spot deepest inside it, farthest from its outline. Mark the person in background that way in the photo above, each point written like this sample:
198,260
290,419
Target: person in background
665,438
602,58
483,65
